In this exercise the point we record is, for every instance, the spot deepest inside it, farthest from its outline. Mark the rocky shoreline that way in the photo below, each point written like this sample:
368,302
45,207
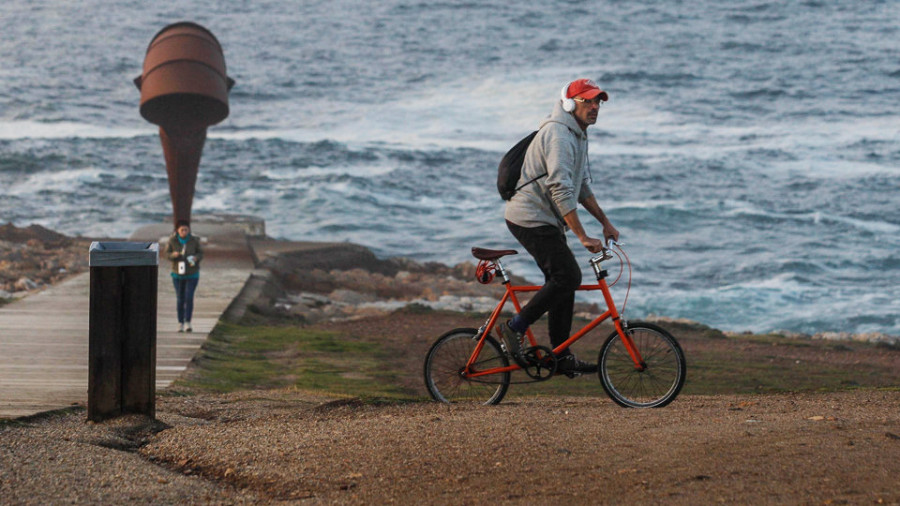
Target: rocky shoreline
34,257
347,284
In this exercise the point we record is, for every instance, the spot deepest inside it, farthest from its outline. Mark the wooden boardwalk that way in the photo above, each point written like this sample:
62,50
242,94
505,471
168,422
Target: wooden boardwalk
44,336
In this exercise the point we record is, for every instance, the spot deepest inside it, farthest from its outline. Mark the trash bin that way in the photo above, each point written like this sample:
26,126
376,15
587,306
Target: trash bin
122,335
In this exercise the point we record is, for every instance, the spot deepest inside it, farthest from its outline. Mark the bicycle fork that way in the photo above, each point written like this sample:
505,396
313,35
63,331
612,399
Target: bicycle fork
621,328
620,324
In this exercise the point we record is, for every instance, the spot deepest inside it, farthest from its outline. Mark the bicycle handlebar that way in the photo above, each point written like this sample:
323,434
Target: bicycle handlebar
603,256
606,253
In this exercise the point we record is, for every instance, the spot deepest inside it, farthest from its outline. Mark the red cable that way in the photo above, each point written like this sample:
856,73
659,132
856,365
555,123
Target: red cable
621,268
628,290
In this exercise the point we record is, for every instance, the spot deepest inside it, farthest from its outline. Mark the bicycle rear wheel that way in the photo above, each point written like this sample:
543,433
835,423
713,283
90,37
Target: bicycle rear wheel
660,380
446,362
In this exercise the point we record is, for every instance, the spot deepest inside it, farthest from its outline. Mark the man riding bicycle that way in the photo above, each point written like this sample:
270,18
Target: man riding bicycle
539,214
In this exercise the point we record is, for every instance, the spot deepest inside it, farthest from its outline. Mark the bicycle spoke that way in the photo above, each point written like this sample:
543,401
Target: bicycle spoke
446,363
662,375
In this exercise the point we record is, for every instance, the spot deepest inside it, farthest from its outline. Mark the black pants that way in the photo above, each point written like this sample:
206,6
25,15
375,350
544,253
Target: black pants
562,276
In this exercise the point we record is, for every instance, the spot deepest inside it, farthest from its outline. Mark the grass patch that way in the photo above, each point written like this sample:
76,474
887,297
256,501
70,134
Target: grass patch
240,357
712,374
383,360
772,339
771,364
416,308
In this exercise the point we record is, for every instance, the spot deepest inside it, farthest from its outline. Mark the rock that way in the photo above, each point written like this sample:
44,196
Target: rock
313,299
10,232
351,297
25,284
791,335
34,257
301,310
869,337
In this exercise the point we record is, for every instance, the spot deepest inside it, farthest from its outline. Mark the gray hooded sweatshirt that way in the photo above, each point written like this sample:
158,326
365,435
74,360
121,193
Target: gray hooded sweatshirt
560,150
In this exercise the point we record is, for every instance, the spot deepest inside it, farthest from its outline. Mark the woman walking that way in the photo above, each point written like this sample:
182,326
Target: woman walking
185,253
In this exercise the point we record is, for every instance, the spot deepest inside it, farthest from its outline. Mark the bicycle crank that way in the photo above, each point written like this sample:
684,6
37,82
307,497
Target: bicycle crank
541,363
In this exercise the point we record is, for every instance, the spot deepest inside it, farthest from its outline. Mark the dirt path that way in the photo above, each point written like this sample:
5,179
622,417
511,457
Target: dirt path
288,446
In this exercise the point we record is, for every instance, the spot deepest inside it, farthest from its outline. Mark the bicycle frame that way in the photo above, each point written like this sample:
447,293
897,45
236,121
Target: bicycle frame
510,295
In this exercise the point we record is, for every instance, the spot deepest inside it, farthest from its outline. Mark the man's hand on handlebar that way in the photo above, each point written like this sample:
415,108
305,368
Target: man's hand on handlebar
593,245
610,233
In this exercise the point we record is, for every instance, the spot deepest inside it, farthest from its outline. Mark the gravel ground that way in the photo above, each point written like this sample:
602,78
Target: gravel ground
290,447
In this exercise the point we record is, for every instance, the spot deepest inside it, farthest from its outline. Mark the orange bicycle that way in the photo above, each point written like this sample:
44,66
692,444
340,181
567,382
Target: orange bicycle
640,364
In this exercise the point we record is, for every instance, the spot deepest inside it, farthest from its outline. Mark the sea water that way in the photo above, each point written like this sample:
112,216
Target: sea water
748,154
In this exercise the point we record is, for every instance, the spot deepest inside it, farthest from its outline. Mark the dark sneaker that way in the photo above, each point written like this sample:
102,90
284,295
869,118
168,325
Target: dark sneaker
513,341
571,366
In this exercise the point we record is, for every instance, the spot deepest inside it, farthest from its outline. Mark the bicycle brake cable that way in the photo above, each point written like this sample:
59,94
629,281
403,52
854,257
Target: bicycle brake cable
621,266
628,289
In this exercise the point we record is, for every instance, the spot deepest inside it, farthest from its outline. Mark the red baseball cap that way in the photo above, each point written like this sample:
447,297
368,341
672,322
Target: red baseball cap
587,89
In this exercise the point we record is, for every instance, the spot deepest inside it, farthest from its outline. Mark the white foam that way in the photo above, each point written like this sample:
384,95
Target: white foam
377,168
14,130
480,112
878,227
63,181
735,208
648,204
224,199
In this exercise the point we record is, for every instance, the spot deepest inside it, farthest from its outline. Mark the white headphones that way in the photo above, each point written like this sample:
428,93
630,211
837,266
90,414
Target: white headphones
568,104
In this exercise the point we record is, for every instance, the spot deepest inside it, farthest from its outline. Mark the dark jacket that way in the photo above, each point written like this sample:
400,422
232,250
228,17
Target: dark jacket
177,253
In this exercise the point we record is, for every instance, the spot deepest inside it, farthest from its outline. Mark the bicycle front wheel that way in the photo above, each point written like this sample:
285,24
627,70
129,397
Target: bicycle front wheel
445,367
655,384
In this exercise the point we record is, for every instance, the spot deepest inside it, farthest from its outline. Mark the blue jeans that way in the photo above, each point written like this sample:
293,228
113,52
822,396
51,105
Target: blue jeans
184,296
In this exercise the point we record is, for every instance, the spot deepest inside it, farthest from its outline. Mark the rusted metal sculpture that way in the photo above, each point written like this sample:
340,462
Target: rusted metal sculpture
184,89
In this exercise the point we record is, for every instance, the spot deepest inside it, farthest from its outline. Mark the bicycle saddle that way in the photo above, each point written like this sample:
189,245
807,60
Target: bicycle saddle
492,254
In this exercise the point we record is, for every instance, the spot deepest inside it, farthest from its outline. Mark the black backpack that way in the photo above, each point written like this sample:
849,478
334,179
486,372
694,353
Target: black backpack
511,168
